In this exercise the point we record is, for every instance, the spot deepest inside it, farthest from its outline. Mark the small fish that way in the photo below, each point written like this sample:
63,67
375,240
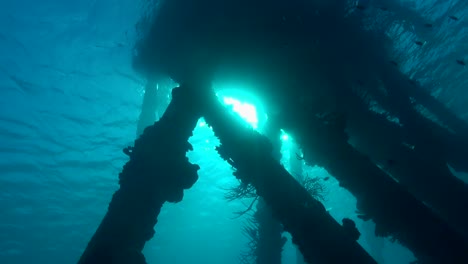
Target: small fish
360,82
299,157
419,43
364,217
128,150
391,162
394,63
428,25
361,7
461,62
283,241
383,8
454,18
326,178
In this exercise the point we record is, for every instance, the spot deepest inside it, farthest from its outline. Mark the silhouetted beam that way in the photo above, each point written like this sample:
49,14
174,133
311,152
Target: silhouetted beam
396,212
270,239
452,147
428,178
438,108
158,171
319,237
297,171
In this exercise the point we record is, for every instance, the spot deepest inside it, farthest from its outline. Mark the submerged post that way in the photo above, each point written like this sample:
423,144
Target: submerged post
158,171
395,211
319,237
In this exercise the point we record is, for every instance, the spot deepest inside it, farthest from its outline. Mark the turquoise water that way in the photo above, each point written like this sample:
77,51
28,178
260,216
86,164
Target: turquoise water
70,102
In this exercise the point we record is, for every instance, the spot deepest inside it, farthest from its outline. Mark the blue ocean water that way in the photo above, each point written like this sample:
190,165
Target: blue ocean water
70,101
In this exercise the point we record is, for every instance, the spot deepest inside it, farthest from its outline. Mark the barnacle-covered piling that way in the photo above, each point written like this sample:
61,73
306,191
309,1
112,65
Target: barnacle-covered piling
319,237
158,171
397,213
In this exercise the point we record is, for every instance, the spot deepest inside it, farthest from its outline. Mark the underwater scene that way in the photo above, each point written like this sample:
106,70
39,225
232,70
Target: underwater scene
233,131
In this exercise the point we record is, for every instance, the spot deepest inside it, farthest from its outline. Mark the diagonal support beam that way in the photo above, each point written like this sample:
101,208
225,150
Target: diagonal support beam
396,212
429,137
427,178
319,237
